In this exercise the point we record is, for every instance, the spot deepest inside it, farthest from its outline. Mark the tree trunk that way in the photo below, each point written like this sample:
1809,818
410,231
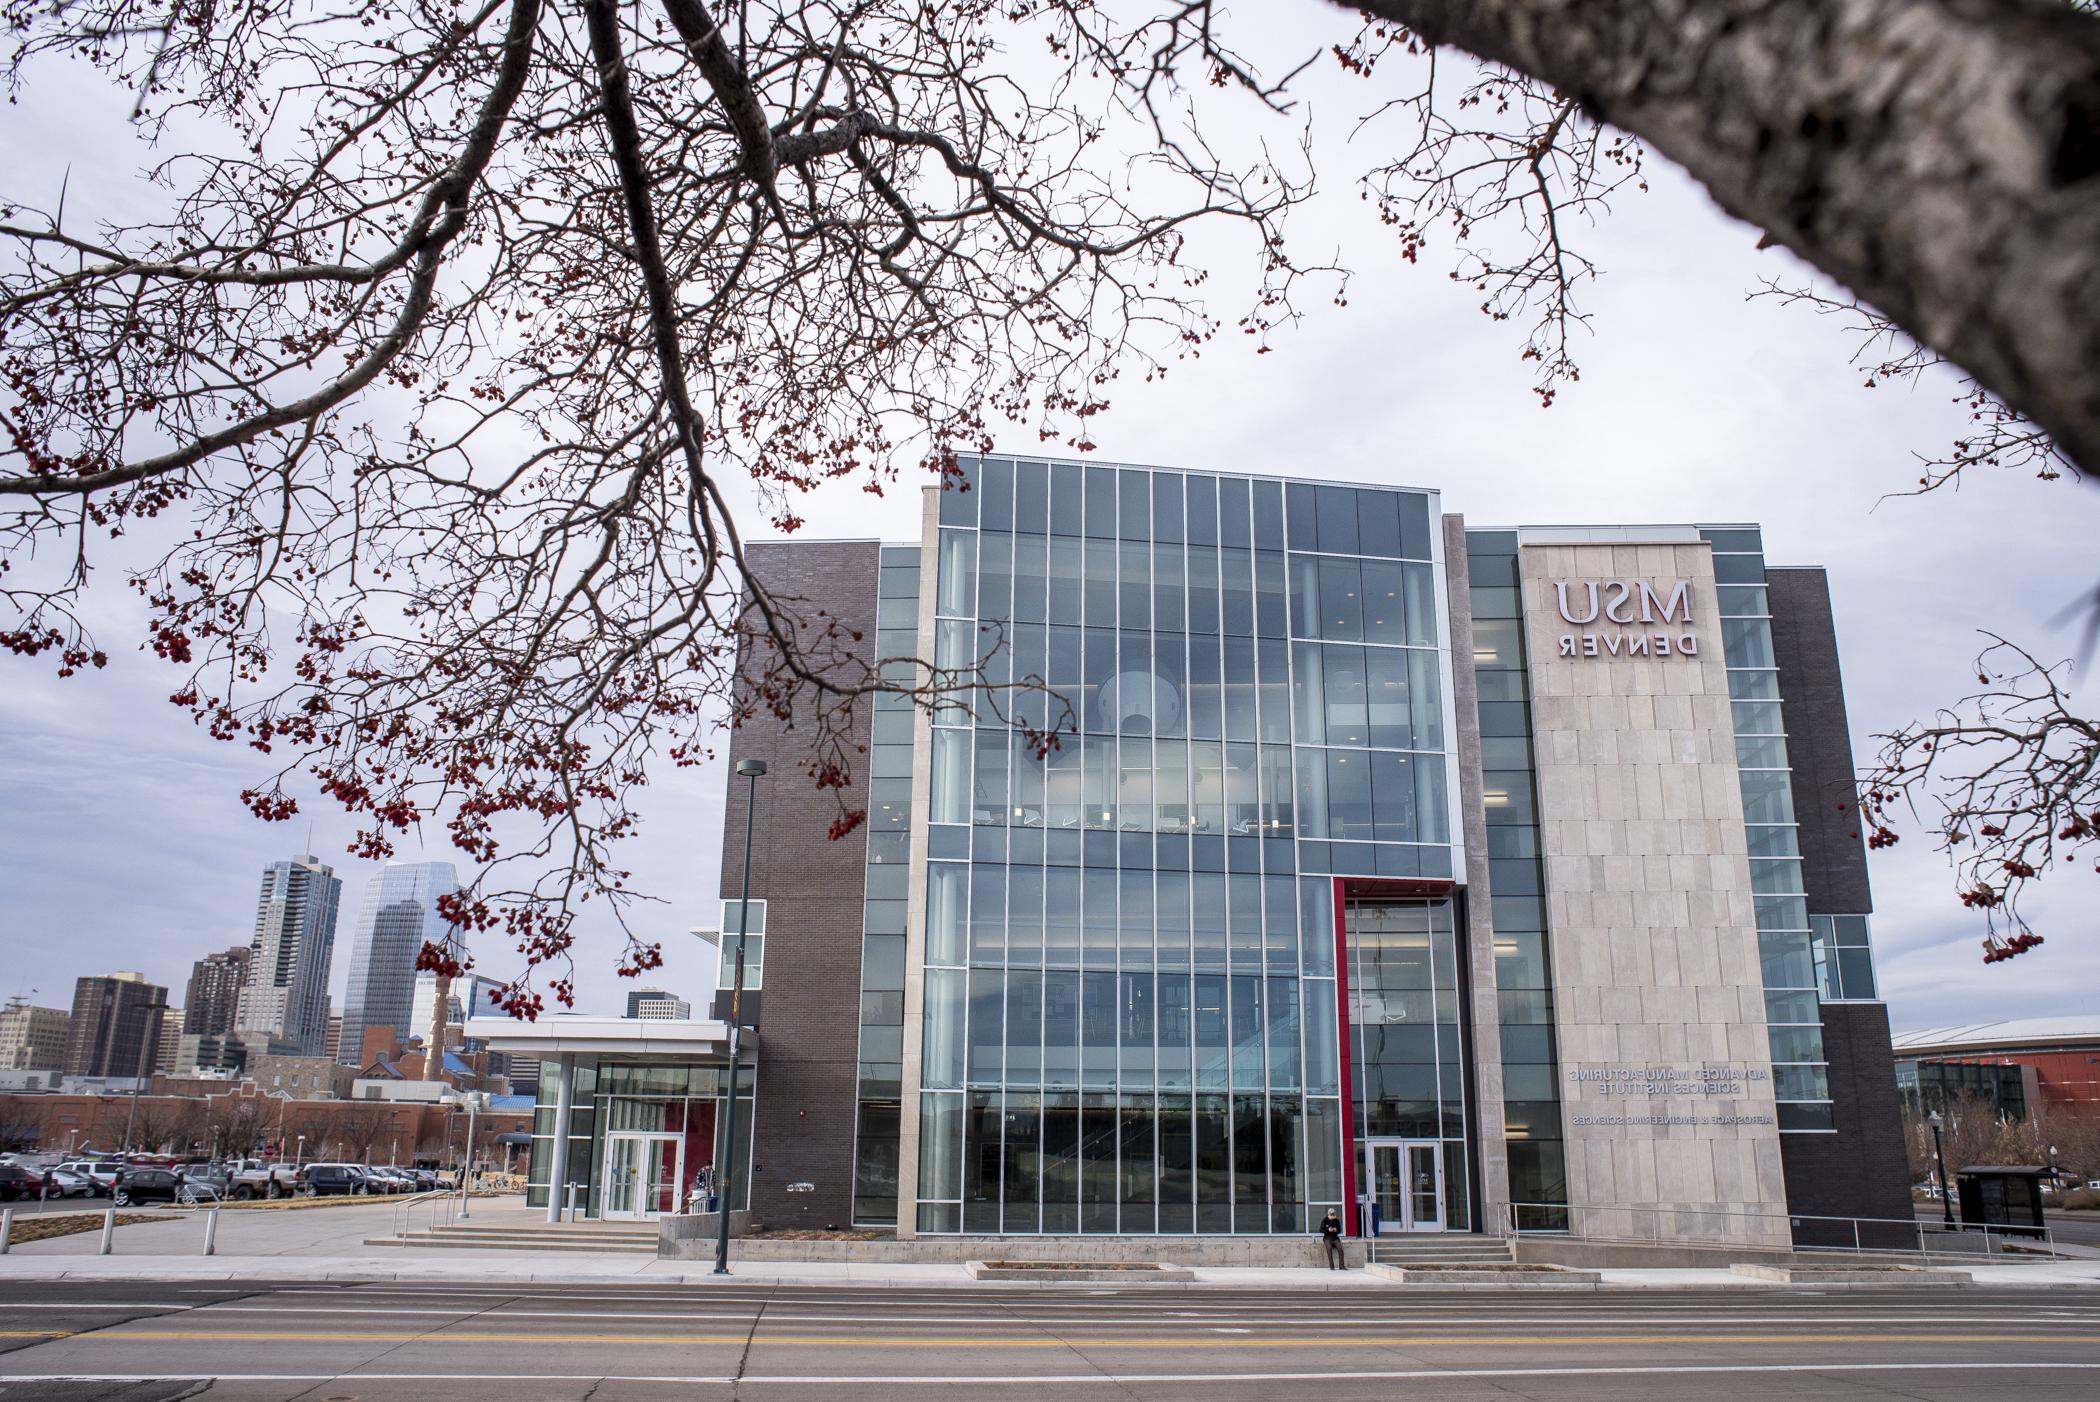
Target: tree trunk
1941,158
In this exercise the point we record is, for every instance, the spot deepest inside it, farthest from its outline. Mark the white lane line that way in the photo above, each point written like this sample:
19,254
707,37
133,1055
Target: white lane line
1734,1304
1088,1378
1146,1321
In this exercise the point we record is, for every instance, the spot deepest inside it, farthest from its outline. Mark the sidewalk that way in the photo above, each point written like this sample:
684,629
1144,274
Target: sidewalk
327,1244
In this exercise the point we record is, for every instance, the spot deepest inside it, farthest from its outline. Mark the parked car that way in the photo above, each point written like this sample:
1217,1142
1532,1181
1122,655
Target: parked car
65,1183
150,1185
212,1175
394,1180
259,1178
100,1172
18,1182
324,1180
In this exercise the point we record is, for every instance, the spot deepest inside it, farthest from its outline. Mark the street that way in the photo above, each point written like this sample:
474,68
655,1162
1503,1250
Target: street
156,1341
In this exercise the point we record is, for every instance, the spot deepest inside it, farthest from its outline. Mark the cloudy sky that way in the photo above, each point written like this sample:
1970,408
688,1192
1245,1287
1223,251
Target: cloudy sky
125,846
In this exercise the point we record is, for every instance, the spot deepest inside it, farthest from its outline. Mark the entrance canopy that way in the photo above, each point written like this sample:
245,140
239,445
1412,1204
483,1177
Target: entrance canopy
618,1036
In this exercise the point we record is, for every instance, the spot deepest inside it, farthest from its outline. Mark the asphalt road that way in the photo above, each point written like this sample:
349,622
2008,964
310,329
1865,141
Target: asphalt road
390,1342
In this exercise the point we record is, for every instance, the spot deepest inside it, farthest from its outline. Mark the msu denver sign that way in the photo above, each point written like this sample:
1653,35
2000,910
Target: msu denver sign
1643,619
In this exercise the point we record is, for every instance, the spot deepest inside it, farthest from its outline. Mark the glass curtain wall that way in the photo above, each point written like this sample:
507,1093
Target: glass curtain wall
610,1095
1208,692
1538,1179
1793,1012
1406,1035
877,1114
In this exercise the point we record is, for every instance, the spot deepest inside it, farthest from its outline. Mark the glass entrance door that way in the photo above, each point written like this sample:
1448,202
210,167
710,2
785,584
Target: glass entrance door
1407,1184
642,1174
1425,1185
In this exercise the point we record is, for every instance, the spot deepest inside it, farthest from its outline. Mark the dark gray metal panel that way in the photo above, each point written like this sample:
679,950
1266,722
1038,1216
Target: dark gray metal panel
1861,1170
813,888
1818,742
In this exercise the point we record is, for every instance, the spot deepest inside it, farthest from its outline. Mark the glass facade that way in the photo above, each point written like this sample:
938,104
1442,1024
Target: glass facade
878,1099
1793,1013
665,1100
1531,1114
1210,696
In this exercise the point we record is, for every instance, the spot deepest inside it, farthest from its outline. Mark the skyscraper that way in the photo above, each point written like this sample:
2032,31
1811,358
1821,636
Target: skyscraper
399,914
214,996
115,1027
286,996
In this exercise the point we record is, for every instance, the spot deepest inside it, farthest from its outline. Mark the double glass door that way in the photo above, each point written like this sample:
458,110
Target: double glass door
1407,1184
642,1174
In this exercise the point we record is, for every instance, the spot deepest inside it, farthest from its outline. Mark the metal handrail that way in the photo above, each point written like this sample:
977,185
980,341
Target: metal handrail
1994,1238
404,1211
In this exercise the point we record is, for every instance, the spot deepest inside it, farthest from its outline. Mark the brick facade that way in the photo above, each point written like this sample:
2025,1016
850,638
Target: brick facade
808,1038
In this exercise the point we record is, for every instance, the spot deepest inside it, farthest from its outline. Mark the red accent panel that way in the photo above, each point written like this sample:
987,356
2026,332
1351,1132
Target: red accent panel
1341,1015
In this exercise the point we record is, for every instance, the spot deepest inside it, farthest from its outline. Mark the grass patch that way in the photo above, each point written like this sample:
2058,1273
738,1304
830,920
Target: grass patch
43,1228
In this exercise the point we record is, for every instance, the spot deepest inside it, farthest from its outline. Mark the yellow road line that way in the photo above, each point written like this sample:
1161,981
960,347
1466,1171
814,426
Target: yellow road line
122,1335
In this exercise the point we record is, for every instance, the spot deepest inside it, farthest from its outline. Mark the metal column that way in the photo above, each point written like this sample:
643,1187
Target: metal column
558,1166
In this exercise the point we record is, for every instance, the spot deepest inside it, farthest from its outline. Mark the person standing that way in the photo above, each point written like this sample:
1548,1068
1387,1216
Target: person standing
1331,1234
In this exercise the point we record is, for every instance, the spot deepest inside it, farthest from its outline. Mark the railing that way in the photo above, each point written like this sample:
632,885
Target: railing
440,1201
1789,1230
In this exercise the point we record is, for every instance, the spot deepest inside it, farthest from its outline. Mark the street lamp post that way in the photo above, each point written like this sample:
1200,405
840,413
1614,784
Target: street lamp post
752,769
1939,1152
145,1045
466,1173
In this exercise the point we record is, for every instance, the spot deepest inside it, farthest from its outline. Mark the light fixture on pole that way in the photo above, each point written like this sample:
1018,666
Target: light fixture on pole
1939,1152
752,769
473,1101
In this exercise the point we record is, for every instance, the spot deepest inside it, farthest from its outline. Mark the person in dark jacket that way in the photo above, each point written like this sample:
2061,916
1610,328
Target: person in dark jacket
1331,1233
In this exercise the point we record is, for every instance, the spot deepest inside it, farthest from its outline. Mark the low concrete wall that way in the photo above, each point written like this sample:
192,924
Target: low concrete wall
691,1236
1168,1250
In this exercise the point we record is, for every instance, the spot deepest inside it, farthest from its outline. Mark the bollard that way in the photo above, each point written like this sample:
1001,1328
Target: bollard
572,1202
211,1232
7,1228
109,1229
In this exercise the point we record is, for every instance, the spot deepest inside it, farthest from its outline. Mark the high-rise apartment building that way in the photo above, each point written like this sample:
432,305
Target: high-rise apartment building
32,1038
167,1051
115,1026
399,915
213,999
285,999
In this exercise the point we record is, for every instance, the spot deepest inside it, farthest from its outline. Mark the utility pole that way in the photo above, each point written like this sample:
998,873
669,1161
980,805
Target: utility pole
752,769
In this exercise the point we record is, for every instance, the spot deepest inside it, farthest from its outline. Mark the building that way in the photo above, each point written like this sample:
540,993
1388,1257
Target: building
285,996
332,1044
2020,1067
211,1004
1464,880
301,1077
167,1053
220,1053
115,1026
399,915
32,1038
656,1003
